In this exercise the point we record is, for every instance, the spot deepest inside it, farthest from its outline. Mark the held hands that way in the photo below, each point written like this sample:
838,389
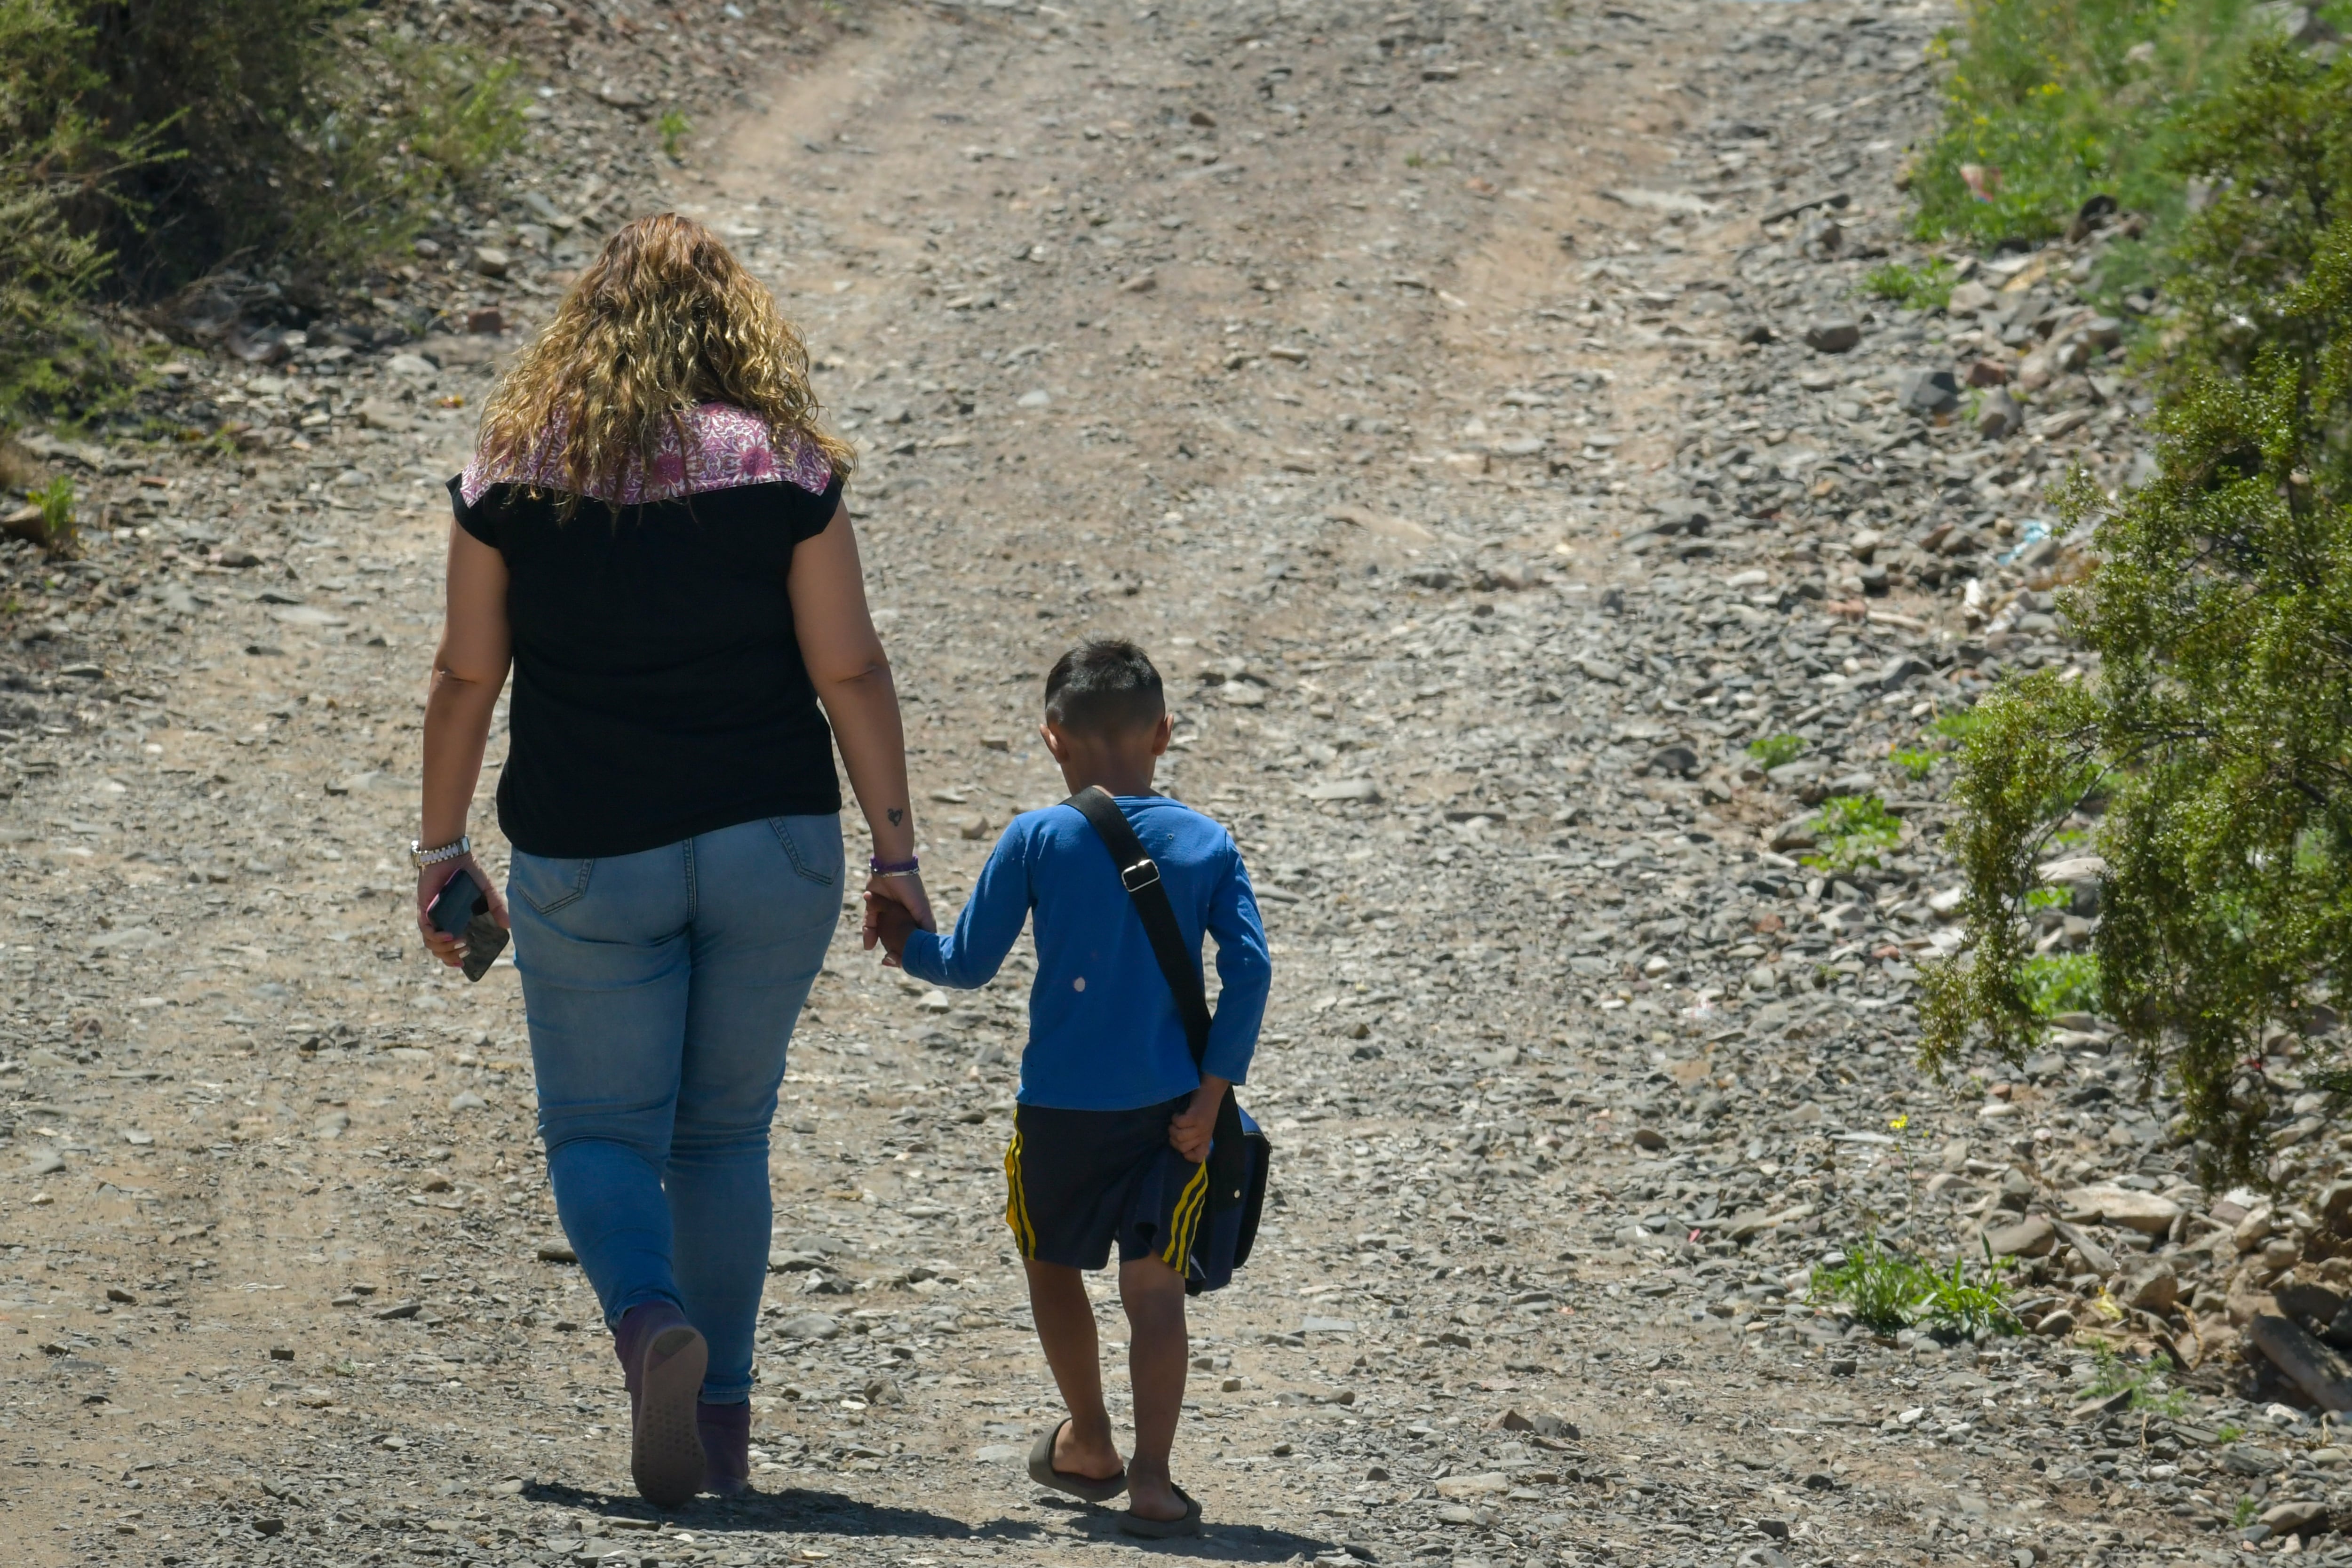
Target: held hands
896,908
1189,1131
449,949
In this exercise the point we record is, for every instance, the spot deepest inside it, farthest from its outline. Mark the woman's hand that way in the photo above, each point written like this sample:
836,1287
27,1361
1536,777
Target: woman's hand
468,668
449,949
904,893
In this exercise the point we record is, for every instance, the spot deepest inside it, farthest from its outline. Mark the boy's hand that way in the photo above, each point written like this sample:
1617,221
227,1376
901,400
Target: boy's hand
1190,1131
892,923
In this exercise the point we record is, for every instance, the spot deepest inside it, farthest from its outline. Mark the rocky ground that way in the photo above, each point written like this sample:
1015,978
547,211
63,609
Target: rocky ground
1477,409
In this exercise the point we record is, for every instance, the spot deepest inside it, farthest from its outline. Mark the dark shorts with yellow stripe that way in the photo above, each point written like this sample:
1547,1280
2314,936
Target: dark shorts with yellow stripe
1077,1180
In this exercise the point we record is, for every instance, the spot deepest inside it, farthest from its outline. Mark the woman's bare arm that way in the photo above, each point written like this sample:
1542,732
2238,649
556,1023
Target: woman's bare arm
852,675
469,668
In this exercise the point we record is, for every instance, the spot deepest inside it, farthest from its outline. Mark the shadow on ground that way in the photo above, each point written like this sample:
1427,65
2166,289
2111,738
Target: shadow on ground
803,1512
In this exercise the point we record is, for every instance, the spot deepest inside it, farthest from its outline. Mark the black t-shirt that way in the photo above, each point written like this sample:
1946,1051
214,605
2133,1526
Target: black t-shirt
658,687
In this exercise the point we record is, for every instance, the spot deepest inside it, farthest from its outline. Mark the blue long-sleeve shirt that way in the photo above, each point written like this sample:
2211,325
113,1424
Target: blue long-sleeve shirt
1104,1033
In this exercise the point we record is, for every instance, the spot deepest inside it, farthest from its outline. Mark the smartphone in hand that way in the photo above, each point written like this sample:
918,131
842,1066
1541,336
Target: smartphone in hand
462,910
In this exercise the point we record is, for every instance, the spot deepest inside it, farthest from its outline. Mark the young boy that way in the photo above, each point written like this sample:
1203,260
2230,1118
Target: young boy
1113,1119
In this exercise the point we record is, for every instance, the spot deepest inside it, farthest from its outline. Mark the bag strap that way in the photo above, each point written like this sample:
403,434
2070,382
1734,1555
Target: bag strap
1139,874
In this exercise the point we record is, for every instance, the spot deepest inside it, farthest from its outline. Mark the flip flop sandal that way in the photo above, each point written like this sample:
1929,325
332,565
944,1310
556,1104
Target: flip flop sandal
1042,1471
1188,1523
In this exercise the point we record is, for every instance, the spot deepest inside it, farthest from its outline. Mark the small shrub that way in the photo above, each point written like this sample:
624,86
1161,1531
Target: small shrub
459,113
1850,831
1886,1290
674,127
1774,750
50,520
1874,1284
1927,288
1965,1302
1915,761
2146,1384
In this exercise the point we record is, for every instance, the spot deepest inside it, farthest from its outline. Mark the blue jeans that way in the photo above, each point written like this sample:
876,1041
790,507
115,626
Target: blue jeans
661,989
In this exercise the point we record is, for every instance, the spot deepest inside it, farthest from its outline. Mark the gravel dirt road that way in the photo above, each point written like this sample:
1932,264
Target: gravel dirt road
1420,386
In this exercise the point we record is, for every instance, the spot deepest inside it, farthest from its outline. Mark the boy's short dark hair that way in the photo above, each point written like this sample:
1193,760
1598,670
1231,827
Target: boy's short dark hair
1105,685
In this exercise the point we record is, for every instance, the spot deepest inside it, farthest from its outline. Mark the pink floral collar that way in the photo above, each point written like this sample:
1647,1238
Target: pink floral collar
725,448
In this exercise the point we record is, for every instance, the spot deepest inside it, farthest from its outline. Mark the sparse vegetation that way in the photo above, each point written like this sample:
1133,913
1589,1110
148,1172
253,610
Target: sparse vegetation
55,501
1850,831
1916,761
1774,750
674,128
2049,106
1966,1300
142,146
2059,982
1886,1290
1923,288
2206,756
2146,1382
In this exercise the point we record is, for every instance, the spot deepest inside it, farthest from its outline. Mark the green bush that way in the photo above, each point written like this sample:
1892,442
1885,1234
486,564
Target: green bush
1775,750
146,143
1849,832
50,264
2211,744
2052,104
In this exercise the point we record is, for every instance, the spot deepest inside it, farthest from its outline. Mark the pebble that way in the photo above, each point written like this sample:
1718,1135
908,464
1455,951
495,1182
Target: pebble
809,1326
1833,337
1929,392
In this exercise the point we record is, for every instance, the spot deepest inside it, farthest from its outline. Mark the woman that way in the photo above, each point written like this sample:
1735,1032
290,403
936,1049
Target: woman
651,533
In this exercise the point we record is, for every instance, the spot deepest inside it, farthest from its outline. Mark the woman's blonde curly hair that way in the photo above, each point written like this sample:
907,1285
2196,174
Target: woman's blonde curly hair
665,319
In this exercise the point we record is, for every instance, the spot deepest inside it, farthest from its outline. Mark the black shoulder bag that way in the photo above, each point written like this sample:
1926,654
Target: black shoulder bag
1240,1156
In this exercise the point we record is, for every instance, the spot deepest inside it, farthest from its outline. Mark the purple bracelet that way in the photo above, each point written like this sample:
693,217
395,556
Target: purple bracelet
892,868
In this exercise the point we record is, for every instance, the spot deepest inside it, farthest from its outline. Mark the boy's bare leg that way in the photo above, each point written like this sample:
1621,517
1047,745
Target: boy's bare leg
1153,1294
1065,1329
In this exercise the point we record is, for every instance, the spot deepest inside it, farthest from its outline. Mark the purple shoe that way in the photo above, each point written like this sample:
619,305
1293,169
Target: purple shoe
726,1433
663,1358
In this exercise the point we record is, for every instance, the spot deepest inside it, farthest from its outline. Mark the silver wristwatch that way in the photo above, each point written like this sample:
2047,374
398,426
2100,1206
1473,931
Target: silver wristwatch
420,856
